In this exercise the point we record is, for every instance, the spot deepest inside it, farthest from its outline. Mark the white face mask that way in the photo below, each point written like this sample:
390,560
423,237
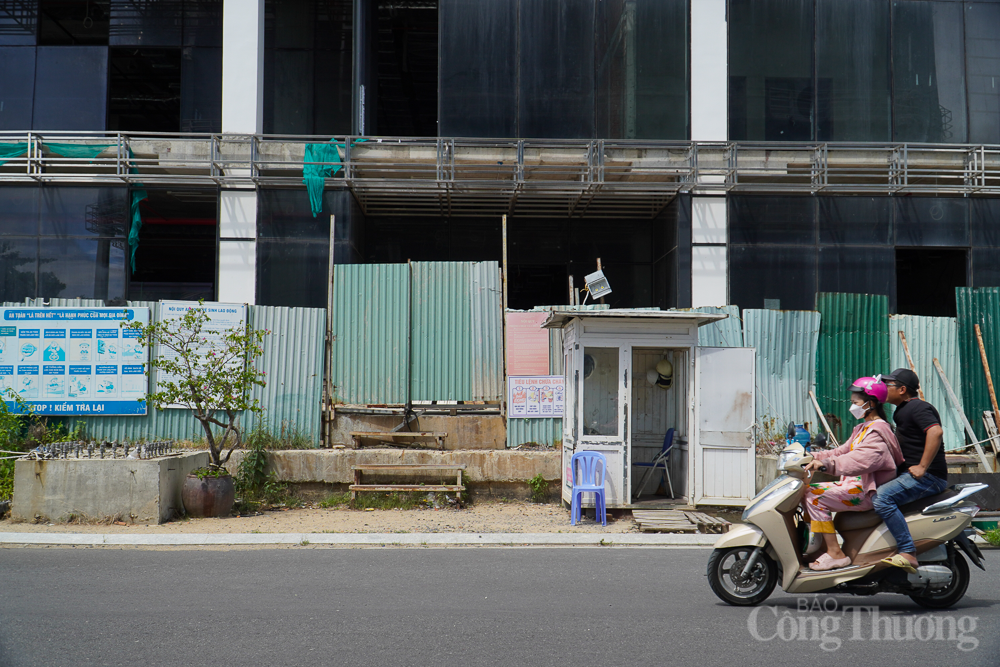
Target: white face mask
858,411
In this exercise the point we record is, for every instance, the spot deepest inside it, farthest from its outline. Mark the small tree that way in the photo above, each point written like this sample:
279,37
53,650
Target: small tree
210,373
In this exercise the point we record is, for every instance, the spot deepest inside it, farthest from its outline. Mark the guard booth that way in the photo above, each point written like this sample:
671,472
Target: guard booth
616,406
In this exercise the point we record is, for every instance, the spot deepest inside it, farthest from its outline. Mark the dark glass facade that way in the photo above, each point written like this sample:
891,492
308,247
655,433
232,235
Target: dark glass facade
137,65
577,69
864,70
66,242
790,247
293,247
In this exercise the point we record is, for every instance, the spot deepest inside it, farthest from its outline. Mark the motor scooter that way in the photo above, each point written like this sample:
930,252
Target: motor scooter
771,545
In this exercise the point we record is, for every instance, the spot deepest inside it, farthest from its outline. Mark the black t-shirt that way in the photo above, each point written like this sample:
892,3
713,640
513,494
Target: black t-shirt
913,418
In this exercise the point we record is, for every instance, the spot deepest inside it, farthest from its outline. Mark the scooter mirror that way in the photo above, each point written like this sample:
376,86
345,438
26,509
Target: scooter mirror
819,441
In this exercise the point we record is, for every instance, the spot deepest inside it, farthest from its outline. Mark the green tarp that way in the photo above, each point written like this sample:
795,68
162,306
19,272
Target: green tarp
315,175
11,150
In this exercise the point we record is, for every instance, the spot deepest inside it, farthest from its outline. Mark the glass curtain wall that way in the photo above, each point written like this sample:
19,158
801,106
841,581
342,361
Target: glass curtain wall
787,248
151,65
308,66
613,69
66,242
864,70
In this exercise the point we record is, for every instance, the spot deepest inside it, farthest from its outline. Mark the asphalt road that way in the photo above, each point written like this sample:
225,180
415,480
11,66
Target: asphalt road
473,606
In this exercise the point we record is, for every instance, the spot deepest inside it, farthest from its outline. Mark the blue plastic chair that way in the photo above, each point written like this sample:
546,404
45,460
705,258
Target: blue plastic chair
661,461
589,470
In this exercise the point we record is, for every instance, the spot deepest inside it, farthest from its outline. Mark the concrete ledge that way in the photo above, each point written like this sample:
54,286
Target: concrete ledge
136,489
366,539
334,466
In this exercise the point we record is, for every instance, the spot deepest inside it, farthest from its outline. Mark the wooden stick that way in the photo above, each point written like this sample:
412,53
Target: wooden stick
909,360
989,380
961,413
822,419
599,268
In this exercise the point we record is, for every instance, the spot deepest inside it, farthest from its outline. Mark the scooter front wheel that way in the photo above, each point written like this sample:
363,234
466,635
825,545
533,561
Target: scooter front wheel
728,580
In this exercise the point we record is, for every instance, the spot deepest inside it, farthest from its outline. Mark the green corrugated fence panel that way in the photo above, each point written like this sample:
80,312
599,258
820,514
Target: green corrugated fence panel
442,332
786,366
929,338
370,347
544,431
978,306
723,333
293,362
853,342
487,331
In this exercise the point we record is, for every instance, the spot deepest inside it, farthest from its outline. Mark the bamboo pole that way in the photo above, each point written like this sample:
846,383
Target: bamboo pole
961,413
909,360
989,384
822,419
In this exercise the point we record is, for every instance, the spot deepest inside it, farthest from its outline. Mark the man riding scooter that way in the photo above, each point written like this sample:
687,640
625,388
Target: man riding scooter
923,472
867,460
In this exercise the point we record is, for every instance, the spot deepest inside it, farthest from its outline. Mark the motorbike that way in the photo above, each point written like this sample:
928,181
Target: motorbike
771,545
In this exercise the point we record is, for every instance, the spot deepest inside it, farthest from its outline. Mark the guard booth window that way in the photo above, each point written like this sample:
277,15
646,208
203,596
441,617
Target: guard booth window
600,391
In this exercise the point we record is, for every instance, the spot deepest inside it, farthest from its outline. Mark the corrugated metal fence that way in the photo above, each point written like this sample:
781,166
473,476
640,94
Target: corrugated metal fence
978,306
929,338
423,331
292,359
853,343
786,366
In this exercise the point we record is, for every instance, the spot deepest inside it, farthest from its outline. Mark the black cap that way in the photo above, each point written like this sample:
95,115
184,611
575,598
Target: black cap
904,376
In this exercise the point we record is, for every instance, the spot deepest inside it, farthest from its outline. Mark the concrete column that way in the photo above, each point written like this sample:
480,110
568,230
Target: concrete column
238,246
709,71
709,260
243,66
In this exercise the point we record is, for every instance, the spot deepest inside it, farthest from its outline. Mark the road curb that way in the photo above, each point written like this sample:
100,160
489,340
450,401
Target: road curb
362,539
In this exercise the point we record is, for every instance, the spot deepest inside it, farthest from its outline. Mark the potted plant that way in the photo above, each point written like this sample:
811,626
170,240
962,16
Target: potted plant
211,373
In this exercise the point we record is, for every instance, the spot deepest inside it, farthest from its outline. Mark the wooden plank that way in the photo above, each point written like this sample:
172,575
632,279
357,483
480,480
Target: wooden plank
414,466
406,487
398,434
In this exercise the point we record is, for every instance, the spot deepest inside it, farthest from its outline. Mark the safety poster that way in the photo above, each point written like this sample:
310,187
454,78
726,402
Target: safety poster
535,396
74,361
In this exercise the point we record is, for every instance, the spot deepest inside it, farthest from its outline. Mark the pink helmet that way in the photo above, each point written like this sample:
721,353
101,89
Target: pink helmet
871,386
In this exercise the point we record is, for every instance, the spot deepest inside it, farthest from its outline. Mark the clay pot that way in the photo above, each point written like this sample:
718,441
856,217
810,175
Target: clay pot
211,496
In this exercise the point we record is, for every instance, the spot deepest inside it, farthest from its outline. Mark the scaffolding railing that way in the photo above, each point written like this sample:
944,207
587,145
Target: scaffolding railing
476,177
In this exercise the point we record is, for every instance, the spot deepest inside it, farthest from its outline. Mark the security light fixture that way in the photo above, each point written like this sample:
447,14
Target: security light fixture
597,285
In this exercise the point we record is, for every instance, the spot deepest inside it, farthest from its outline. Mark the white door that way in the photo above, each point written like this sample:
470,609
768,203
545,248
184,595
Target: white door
723,456
603,397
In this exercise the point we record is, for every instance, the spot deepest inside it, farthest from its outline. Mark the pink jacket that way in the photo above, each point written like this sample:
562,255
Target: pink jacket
874,458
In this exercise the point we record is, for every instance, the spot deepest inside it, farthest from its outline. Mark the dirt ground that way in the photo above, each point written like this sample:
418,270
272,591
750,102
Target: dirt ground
483,516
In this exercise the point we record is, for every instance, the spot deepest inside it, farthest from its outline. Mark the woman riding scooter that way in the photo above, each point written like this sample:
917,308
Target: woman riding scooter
867,460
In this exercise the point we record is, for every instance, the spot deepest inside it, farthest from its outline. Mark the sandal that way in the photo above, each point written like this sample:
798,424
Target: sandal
897,560
828,562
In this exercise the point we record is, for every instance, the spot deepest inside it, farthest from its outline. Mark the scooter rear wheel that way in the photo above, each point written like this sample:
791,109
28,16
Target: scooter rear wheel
725,576
956,589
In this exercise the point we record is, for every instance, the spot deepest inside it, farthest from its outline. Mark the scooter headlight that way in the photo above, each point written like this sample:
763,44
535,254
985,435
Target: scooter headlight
788,457
783,490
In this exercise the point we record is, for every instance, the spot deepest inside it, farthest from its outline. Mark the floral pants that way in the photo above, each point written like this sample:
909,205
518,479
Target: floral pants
823,498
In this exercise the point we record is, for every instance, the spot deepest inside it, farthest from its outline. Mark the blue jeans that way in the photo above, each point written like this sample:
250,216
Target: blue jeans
900,491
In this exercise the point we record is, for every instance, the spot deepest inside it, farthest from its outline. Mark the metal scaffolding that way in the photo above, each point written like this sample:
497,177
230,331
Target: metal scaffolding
488,177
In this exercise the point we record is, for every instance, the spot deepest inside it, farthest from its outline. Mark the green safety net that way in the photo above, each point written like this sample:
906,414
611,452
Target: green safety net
315,175
9,151
92,151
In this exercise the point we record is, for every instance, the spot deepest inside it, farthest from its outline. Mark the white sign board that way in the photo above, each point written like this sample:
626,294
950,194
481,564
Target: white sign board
221,317
531,396
74,361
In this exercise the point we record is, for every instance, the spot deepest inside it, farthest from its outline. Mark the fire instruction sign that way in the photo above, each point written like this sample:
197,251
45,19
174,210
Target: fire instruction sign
535,396
73,361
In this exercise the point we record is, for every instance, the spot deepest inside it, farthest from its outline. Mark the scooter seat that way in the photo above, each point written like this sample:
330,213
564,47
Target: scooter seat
847,521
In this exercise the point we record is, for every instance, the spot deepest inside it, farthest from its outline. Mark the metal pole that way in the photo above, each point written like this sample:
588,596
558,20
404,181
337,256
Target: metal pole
328,414
504,274
599,268
909,360
503,317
